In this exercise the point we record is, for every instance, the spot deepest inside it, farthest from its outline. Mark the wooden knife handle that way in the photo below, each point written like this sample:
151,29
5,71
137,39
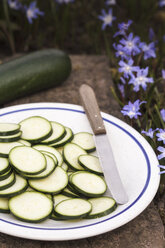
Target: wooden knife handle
92,110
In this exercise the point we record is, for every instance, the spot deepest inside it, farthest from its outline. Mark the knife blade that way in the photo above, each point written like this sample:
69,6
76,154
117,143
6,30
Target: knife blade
103,146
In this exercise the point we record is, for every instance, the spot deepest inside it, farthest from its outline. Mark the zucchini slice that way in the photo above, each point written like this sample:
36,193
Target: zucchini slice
31,206
59,198
8,182
54,183
51,150
18,187
4,165
85,140
4,205
58,133
27,160
64,166
11,138
90,163
6,147
101,206
6,174
73,208
50,167
67,138
71,153
69,193
24,142
9,129
35,129
51,155
88,184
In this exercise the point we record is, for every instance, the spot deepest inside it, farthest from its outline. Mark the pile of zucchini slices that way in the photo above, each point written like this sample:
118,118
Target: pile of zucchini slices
46,171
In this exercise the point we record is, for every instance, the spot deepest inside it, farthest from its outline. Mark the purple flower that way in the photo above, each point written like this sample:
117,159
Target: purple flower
162,113
131,44
132,109
107,18
162,167
122,28
14,4
121,89
127,68
141,79
120,32
149,133
110,2
32,12
122,80
125,26
163,73
149,50
120,51
151,34
162,150
161,135
161,3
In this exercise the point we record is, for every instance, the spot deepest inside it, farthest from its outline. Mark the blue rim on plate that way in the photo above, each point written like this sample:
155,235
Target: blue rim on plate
108,121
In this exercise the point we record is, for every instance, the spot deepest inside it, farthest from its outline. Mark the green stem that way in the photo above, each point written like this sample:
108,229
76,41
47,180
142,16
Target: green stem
11,37
138,123
116,97
158,113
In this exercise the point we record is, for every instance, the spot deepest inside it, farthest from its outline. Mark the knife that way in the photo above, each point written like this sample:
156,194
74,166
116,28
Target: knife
103,146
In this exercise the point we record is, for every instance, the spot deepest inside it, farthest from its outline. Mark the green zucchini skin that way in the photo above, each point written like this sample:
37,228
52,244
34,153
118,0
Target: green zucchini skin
6,174
32,73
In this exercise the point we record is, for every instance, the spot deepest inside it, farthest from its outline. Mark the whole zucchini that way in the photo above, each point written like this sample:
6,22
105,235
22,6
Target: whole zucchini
32,73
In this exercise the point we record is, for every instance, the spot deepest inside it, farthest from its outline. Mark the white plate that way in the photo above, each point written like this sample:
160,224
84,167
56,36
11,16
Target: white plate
136,161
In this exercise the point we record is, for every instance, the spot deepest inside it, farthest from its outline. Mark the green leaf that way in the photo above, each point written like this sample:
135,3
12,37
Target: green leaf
14,26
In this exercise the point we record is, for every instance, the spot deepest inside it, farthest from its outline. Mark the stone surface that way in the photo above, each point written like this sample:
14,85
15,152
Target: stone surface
146,230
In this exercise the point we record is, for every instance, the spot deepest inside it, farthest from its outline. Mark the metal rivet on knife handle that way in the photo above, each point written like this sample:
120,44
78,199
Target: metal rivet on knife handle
92,110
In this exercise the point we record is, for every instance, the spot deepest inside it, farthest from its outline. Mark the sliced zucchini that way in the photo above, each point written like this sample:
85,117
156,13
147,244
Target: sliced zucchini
90,163
64,166
31,206
56,218
9,129
69,193
51,150
18,187
85,140
88,184
6,174
27,160
67,138
8,182
4,205
52,156
10,138
6,147
58,133
54,183
59,198
101,206
35,129
4,165
73,208
50,167
24,142
71,153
